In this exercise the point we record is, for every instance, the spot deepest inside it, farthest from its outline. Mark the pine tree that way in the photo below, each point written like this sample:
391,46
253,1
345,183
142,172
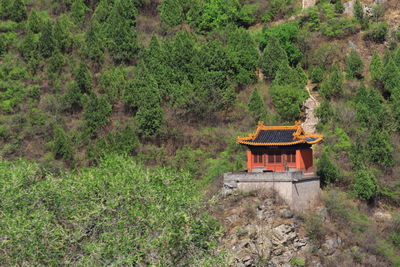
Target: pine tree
354,65
257,107
391,77
294,77
272,58
47,42
62,36
35,22
94,49
29,46
83,79
376,69
339,7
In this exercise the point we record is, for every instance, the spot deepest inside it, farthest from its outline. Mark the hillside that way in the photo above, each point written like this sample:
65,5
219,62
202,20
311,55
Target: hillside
165,87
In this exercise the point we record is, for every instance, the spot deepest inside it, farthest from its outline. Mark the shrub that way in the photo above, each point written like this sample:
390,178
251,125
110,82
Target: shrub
358,11
47,43
325,112
78,10
314,224
365,187
377,32
338,27
327,170
333,85
62,145
376,69
149,120
112,83
83,79
380,148
354,65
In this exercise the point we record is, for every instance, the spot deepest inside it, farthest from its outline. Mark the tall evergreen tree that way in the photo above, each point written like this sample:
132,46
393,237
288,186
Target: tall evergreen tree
257,107
122,37
47,42
35,22
94,49
97,112
354,65
376,69
272,58
380,148
171,13
83,79
62,145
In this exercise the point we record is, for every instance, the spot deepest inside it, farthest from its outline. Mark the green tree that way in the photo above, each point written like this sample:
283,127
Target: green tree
257,107
364,185
83,78
288,101
62,145
333,85
327,170
62,36
97,112
122,37
325,112
354,65
94,48
272,58
243,55
149,119
171,13
72,99
294,77
78,10
339,7
112,83
376,69
380,148
391,77
18,11
35,21
29,46
47,42
369,108
316,74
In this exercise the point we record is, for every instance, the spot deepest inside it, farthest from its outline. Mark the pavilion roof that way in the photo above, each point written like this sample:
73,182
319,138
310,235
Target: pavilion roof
279,136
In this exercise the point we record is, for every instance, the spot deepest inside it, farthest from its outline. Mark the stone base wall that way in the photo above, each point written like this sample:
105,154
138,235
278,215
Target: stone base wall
298,191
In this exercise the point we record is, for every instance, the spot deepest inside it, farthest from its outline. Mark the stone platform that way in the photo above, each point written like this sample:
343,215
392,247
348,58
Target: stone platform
301,191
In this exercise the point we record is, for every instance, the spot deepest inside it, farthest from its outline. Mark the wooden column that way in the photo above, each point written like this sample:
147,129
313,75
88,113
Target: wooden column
249,161
299,160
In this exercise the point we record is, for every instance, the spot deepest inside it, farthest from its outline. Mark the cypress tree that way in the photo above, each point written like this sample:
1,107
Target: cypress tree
354,65
94,49
376,69
47,42
171,13
35,22
257,107
272,58
97,112
380,148
83,79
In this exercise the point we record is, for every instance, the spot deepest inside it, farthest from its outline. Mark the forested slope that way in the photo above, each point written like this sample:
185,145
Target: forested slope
172,83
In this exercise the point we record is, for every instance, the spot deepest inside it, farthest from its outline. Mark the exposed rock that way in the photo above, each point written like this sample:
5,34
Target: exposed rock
323,212
349,7
286,213
330,245
382,216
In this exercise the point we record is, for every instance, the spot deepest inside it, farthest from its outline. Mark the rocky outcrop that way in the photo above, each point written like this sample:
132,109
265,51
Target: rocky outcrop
262,233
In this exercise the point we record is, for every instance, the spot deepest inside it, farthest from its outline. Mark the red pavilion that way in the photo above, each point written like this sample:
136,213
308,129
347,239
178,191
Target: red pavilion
280,148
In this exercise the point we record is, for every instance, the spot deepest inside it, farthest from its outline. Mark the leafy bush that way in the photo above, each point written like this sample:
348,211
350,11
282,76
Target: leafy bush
116,213
314,224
